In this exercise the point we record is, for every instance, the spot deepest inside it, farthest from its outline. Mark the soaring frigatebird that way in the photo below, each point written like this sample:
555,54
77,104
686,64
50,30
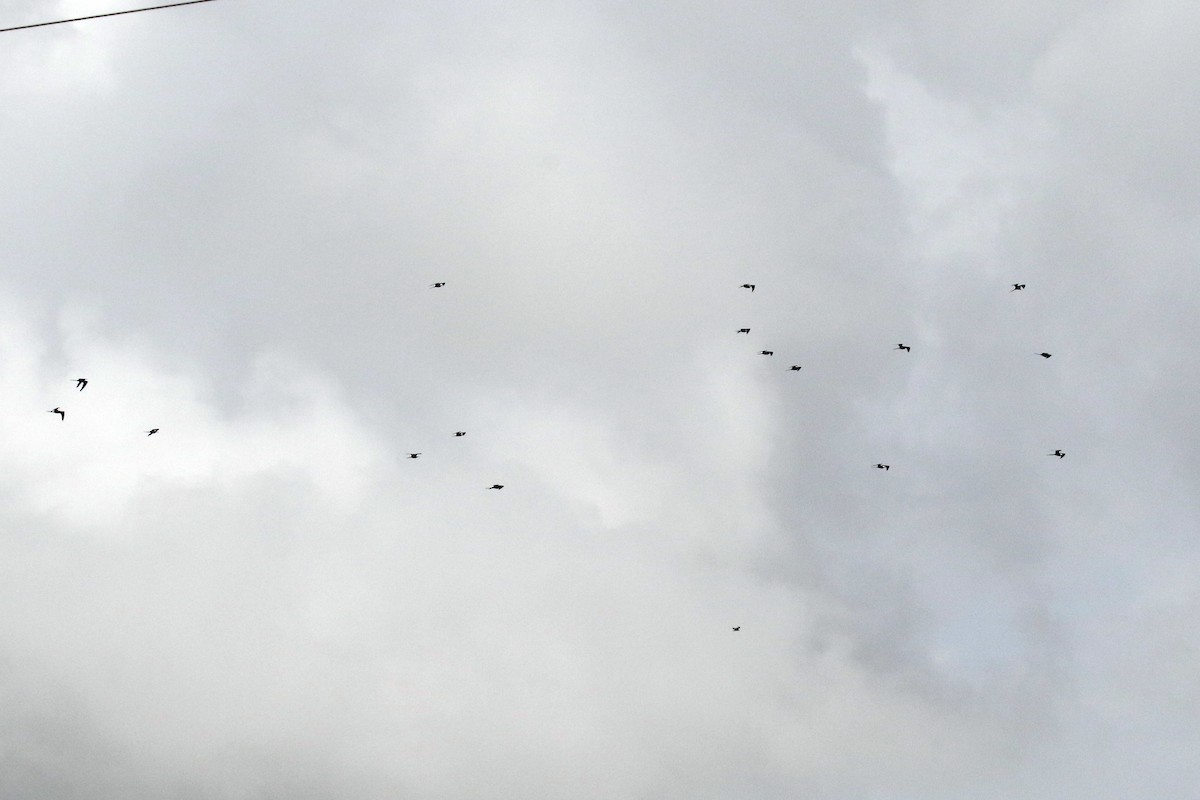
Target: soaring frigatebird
81,382
152,431
883,466
413,455
794,367
59,411
1058,453
749,286
437,285
1017,287
460,433
743,330
496,486
902,347
1044,355
766,352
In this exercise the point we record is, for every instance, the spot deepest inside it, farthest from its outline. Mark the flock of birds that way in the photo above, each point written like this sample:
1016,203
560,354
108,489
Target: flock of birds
1016,287
457,434
82,384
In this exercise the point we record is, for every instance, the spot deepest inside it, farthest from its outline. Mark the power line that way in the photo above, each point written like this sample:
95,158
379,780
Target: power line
98,16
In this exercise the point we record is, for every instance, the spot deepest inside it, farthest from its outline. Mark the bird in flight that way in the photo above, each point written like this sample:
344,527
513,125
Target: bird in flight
749,286
81,382
59,411
437,285
766,352
152,431
1058,453
743,330
1044,355
496,486
903,347
1016,287
413,455
737,627
460,433
795,368
883,466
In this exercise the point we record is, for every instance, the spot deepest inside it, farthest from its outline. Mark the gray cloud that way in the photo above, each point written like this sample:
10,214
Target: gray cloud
227,218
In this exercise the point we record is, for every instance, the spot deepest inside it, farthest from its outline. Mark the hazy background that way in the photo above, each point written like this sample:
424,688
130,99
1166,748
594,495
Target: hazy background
226,216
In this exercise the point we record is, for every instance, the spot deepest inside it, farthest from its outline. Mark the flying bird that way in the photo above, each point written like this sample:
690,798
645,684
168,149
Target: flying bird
743,330
1044,355
795,368
883,466
903,347
737,627
749,286
152,431
413,455
1058,453
1016,287
59,411
438,285
766,352
81,382
496,486
460,433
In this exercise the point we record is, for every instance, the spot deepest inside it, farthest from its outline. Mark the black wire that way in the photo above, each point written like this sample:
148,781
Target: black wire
109,14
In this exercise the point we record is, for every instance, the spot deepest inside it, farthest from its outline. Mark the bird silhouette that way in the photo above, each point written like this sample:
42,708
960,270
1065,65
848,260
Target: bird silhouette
59,411
1044,355
438,285
737,627
903,347
766,352
794,368
81,382
749,286
152,431
743,330
883,466
413,455
460,433
496,486
1016,287
1058,453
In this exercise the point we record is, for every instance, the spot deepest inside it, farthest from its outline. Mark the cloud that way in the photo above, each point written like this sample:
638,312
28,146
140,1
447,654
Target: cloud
228,219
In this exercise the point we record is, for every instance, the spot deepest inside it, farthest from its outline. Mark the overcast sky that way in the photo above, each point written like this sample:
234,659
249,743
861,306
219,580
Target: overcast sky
227,217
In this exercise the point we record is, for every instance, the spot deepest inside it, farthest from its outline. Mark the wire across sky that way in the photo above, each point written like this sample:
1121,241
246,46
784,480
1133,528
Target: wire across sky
98,16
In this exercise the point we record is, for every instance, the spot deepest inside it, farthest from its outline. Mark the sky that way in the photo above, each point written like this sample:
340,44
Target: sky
227,217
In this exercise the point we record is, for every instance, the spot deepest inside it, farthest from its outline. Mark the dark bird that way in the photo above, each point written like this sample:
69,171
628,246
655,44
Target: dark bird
59,411
81,382
883,466
743,330
460,433
1058,453
766,352
496,486
413,455
437,285
737,627
152,431
749,286
794,368
1044,355
1017,287
903,347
